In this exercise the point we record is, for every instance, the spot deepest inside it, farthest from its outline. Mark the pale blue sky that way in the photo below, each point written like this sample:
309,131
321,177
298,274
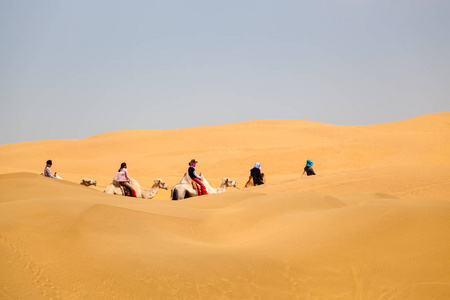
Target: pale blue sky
72,69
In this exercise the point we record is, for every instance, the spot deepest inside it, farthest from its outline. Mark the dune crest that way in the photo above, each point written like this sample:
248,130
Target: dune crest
374,222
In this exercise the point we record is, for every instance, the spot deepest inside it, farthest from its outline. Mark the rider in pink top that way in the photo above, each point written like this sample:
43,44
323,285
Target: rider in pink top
123,179
122,175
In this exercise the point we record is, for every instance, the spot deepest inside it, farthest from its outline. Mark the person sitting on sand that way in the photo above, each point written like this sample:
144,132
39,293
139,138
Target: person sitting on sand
122,178
255,172
195,177
308,168
47,171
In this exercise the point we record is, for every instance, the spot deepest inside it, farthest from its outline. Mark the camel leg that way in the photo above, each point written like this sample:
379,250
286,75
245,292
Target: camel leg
249,182
174,194
177,195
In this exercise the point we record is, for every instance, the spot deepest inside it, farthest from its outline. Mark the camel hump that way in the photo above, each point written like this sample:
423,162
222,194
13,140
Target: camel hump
185,179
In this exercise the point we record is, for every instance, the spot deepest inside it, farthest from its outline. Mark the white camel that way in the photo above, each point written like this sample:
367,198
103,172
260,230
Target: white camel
116,189
184,189
87,182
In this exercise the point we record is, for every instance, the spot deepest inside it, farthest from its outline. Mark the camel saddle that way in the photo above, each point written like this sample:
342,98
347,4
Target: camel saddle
126,191
198,188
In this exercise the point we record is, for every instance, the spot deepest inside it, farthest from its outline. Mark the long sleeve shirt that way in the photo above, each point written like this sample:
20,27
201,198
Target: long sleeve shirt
192,173
122,175
48,172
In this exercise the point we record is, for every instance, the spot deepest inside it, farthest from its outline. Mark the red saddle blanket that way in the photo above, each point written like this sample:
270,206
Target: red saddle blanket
198,188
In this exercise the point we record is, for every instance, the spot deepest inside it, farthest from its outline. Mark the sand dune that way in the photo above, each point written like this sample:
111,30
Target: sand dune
374,222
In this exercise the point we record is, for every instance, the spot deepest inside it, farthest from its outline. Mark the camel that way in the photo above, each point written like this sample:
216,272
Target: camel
184,189
250,180
140,191
87,182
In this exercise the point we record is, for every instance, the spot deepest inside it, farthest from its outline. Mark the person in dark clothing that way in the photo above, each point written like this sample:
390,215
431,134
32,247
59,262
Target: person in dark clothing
195,177
255,172
308,168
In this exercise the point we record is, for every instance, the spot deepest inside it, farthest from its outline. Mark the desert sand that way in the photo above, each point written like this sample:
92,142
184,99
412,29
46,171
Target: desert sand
374,223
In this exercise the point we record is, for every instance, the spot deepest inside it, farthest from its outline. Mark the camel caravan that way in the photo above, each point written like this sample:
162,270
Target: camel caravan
191,185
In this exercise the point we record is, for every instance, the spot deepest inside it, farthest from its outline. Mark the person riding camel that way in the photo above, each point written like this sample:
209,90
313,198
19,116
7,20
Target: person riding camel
122,178
47,171
195,177
255,172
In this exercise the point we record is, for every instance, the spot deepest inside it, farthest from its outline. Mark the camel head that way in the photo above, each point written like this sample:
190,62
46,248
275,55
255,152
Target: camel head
228,182
161,184
87,182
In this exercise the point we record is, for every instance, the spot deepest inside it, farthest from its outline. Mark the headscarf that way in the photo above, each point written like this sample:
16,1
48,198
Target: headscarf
309,163
257,165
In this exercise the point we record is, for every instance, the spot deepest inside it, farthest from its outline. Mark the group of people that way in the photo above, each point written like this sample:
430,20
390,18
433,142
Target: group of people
123,179
255,172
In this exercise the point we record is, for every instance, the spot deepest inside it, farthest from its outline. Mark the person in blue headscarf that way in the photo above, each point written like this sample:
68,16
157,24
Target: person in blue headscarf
308,168
255,172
